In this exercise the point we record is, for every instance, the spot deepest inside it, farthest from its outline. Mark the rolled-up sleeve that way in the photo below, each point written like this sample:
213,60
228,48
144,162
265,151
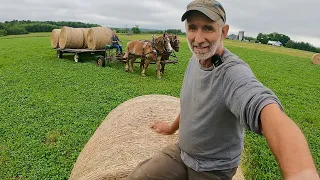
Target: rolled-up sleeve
245,96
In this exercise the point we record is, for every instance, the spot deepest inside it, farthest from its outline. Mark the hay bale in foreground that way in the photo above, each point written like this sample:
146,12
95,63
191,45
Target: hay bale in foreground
55,38
71,38
316,59
125,138
98,37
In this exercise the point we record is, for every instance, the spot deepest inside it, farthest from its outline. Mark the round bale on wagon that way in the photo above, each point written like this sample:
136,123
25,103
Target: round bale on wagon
55,38
316,59
72,38
98,37
125,139
85,37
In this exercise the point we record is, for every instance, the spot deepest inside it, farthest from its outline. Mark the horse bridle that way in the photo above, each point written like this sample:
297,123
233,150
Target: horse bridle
175,42
154,43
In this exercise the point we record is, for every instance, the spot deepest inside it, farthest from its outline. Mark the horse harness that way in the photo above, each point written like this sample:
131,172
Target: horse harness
143,54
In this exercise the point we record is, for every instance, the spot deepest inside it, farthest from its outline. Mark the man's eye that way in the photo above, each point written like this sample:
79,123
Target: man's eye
192,28
208,29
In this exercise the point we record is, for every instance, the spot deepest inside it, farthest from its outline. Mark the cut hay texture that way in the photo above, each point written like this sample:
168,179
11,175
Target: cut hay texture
316,59
98,37
125,138
55,38
72,38
85,35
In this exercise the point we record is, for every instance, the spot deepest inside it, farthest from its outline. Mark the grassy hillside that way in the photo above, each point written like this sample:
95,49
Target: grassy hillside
50,107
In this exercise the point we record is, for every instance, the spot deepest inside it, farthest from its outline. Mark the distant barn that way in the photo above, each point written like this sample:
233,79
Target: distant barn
232,37
275,43
239,37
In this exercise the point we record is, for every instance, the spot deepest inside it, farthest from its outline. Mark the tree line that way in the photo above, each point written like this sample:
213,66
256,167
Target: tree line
16,27
285,40
137,30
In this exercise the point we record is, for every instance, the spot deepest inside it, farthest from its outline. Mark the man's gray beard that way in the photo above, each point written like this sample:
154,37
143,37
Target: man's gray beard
205,56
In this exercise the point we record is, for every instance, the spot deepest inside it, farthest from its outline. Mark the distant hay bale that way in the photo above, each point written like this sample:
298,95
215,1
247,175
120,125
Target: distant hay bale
316,59
71,38
85,37
98,37
55,38
125,139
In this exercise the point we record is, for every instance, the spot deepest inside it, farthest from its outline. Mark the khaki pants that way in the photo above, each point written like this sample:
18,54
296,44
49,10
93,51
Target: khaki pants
167,165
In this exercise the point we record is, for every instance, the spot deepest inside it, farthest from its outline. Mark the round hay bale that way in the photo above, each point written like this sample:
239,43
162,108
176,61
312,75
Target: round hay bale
125,138
71,38
85,37
98,37
316,59
55,38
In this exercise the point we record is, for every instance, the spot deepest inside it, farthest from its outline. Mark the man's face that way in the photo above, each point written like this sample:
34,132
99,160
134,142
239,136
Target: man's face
203,34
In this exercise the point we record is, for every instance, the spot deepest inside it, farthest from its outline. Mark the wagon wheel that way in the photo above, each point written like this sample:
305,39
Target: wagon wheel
76,58
59,54
100,61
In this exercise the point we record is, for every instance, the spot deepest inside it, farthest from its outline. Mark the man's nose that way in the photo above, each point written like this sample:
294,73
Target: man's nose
199,37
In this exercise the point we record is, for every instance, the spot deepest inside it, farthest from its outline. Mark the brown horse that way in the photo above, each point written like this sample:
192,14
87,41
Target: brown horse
137,49
175,44
162,46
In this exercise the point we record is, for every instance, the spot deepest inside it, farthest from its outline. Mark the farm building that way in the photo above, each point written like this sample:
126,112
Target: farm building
239,37
232,37
275,43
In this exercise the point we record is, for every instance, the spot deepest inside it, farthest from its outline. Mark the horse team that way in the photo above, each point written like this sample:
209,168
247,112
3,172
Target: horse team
157,50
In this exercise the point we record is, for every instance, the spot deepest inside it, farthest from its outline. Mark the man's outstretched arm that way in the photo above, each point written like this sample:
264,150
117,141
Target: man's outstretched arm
288,144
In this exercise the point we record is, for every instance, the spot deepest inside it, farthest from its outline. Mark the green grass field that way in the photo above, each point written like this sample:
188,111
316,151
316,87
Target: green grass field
50,107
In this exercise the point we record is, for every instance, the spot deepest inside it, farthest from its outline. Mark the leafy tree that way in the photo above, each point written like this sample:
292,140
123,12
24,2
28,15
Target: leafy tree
249,38
302,46
174,31
26,26
14,30
263,38
2,26
3,32
136,30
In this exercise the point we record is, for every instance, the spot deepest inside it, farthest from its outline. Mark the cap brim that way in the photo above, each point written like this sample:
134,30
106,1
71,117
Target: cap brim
210,14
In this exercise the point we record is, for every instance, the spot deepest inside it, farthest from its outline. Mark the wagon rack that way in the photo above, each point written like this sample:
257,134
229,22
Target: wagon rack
77,53
104,56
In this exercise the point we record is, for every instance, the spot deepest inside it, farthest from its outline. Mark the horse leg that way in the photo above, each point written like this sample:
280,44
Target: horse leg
131,64
163,64
146,64
142,62
127,64
158,67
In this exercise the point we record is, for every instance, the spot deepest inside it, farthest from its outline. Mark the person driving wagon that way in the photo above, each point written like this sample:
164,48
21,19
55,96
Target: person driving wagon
115,42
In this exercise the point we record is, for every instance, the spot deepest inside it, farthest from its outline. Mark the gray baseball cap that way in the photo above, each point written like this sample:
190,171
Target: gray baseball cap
211,8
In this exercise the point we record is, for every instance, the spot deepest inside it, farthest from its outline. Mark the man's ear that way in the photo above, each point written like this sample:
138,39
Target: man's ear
225,31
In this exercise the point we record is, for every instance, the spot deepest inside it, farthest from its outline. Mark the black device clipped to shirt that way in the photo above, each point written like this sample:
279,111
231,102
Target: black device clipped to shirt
216,60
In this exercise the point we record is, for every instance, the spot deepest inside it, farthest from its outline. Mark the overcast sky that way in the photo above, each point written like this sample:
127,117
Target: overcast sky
299,19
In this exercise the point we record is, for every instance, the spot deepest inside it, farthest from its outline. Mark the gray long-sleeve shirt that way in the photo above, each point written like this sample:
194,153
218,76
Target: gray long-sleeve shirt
216,105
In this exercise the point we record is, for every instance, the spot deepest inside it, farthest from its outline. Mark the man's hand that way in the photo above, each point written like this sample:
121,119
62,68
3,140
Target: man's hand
162,128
